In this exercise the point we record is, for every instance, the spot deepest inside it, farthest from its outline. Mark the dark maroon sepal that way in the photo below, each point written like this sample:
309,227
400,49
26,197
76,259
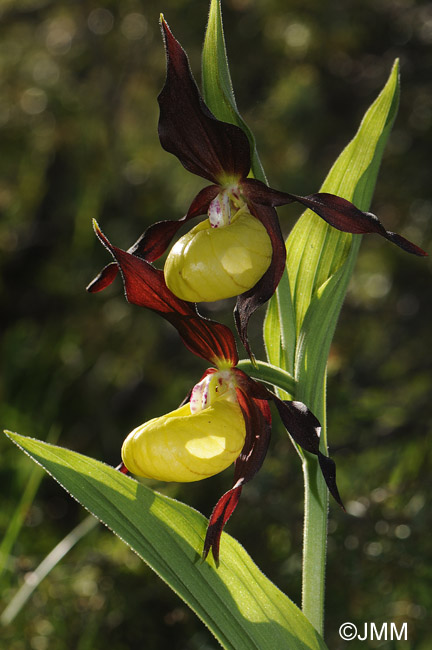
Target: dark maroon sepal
256,413
104,279
157,237
248,302
145,286
305,429
204,145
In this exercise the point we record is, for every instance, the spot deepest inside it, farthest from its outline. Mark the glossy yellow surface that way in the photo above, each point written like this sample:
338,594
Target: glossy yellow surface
185,447
210,264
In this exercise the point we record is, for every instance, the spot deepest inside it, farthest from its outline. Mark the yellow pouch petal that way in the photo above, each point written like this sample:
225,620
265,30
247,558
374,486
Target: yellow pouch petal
210,264
185,447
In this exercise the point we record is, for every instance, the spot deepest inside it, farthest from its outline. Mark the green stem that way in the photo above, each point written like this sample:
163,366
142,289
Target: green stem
314,542
311,389
270,375
316,493
315,511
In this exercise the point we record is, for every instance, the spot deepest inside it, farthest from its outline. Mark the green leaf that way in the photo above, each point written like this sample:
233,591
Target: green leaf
320,259
279,327
241,607
216,81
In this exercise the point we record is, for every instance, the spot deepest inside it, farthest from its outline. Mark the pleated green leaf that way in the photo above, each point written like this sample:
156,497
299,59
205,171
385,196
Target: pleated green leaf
241,607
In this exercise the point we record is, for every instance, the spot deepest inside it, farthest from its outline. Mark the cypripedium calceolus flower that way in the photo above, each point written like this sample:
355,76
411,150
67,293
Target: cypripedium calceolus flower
239,250
225,419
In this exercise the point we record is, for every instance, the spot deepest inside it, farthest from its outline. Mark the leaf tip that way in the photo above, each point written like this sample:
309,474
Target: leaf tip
96,226
395,71
13,437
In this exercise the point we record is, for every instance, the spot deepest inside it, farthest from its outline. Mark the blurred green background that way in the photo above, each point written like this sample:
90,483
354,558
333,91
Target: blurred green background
78,130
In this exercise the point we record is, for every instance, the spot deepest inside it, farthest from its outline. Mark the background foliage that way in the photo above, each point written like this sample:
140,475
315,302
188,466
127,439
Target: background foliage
78,118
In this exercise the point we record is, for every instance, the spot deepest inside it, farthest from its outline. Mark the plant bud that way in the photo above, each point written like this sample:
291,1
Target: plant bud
183,446
208,263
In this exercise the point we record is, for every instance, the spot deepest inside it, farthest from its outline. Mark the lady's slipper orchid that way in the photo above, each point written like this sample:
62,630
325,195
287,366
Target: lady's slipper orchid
220,153
199,439
226,418
209,264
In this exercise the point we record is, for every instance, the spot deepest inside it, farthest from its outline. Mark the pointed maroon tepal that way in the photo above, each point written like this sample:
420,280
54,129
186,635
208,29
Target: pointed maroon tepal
335,210
204,145
145,286
256,413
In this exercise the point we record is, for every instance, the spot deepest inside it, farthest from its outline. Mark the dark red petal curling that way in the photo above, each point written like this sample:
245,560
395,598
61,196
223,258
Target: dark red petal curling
343,215
220,515
257,418
145,286
335,210
104,279
248,302
301,424
204,145
305,430
155,240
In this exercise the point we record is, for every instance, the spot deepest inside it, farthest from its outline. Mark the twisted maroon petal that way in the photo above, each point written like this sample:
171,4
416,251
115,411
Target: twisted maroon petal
335,210
145,286
220,515
155,240
305,429
343,215
257,419
248,302
104,279
258,192
204,145
301,424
